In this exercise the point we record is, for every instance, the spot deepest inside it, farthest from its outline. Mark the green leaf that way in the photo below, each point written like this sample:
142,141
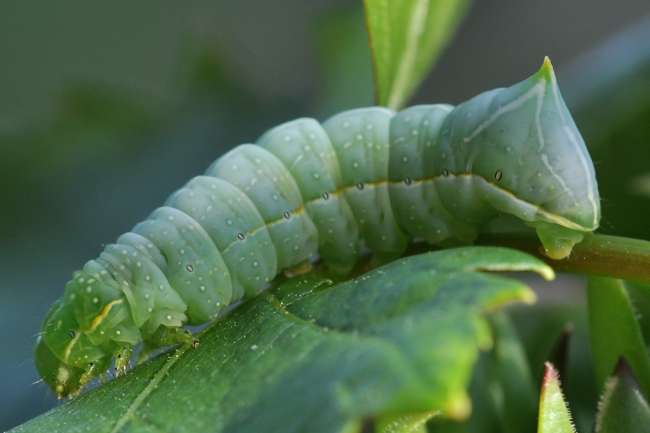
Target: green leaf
541,328
640,296
406,38
404,423
615,332
554,416
517,393
622,408
502,388
344,61
484,393
311,356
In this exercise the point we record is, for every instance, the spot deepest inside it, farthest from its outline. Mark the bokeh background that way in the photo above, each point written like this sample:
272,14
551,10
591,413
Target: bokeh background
107,107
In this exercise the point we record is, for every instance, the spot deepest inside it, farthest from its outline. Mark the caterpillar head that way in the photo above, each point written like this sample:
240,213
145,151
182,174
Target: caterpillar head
63,379
65,358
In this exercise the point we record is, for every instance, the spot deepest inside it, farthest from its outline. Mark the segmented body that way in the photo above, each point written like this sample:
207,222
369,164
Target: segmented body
366,180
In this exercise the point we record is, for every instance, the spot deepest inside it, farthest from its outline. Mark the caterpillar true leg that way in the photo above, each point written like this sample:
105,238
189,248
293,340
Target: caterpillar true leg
166,336
122,360
86,377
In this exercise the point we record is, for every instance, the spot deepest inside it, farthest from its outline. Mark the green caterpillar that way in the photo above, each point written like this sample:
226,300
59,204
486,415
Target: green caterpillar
366,180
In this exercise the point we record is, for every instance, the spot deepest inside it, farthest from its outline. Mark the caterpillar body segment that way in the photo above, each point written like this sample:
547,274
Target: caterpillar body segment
414,188
307,152
226,213
361,141
365,180
266,181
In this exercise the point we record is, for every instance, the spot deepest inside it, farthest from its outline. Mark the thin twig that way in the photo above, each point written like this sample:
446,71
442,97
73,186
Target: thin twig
603,255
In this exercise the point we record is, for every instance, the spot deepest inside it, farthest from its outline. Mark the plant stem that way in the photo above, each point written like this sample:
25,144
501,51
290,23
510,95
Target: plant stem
602,255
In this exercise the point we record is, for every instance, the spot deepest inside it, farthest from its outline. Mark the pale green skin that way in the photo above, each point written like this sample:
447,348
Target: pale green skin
366,180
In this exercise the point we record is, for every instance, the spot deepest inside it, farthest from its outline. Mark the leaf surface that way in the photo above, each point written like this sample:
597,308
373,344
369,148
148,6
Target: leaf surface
502,389
554,415
623,409
517,392
615,332
406,38
390,349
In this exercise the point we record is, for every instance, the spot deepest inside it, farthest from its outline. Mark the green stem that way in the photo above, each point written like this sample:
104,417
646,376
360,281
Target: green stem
602,255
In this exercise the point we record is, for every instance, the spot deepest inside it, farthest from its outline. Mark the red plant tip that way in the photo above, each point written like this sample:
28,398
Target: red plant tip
550,373
622,368
624,371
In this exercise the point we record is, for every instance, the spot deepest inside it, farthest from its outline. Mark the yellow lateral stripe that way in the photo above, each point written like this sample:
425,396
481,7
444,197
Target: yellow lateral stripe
300,209
550,216
68,349
102,314
94,324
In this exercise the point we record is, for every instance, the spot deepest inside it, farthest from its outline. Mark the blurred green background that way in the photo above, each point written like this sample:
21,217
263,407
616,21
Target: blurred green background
106,108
